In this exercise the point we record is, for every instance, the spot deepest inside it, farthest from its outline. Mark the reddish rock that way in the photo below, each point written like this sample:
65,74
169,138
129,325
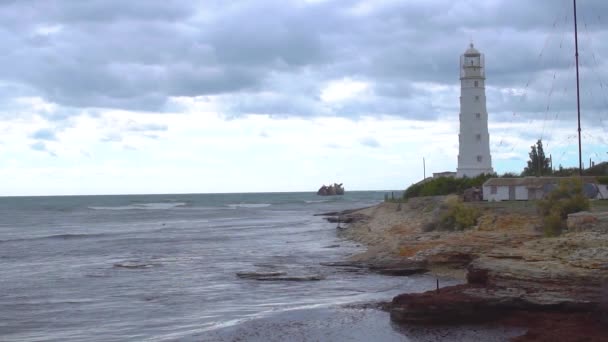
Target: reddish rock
449,305
558,326
477,276
473,304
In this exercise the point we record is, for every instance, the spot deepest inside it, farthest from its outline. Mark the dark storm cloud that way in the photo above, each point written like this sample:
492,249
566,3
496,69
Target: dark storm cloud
265,57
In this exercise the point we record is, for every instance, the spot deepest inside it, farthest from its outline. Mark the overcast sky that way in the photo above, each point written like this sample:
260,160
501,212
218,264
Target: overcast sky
114,96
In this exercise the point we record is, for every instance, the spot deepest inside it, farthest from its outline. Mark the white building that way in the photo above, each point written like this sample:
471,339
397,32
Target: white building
531,188
474,140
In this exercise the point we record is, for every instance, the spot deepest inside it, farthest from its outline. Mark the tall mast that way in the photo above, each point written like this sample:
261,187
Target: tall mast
578,102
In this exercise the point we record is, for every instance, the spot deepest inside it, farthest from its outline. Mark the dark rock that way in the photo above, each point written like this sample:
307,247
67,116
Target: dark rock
331,190
338,219
470,304
448,306
257,275
399,268
473,194
392,269
292,278
344,264
477,276
338,213
348,218
277,276
384,306
429,226
407,271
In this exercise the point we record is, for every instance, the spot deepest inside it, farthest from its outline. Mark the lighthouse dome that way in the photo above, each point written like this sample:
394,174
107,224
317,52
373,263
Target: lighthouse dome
471,51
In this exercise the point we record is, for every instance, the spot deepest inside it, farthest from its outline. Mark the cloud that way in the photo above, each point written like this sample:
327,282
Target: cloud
341,90
146,127
113,137
41,147
38,146
44,134
136,55
136,83
369,142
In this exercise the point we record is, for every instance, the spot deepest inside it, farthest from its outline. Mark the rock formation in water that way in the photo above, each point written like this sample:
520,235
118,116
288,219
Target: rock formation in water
331,190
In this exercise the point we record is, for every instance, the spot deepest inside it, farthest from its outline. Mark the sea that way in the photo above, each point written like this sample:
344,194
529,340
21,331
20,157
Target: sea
164,268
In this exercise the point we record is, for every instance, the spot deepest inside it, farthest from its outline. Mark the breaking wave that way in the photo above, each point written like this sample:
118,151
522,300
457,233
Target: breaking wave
143,206
57,237
249,205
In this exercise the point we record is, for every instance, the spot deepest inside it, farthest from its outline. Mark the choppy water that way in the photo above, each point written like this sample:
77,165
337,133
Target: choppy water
162,267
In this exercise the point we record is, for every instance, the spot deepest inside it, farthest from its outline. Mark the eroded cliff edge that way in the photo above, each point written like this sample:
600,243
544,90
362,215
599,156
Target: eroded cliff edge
512,271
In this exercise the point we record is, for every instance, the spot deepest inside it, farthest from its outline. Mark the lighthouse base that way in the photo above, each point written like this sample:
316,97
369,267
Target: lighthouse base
472,172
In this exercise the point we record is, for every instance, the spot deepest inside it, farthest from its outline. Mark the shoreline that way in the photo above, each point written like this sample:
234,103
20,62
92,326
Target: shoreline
513,275
352,322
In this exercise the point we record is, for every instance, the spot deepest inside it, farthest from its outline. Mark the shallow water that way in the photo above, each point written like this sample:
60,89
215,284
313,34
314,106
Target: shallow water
349,324
163,267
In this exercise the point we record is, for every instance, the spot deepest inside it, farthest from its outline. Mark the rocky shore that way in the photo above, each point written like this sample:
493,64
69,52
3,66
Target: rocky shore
556,288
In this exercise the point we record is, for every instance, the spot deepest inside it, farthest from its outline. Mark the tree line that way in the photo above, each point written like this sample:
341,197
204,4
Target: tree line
539,165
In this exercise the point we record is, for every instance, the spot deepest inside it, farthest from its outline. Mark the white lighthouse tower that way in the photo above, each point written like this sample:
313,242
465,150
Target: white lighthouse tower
474,140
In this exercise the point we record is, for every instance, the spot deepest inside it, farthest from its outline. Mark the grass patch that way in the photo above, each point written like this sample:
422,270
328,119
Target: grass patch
459,215
568,198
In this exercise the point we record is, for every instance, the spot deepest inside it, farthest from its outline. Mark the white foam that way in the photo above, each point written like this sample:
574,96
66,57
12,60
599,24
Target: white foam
317,201
143,206
249,205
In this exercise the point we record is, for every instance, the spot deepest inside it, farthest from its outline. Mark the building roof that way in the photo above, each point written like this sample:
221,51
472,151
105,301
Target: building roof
471,51
444,174
531,182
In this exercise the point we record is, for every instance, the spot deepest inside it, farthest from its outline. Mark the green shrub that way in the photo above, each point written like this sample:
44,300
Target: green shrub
445,186
566,199
509,175
458,215
553,225
603,180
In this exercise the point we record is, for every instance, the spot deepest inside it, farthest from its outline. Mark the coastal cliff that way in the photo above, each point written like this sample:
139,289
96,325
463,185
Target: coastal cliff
512,273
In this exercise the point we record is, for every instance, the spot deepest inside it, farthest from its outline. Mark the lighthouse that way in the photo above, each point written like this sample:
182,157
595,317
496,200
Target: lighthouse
474,140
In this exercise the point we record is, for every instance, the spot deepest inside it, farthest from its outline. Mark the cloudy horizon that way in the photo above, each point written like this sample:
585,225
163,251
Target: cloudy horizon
117,97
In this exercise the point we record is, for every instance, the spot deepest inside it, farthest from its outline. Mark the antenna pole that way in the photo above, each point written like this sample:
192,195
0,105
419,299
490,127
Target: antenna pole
423,168
578,102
